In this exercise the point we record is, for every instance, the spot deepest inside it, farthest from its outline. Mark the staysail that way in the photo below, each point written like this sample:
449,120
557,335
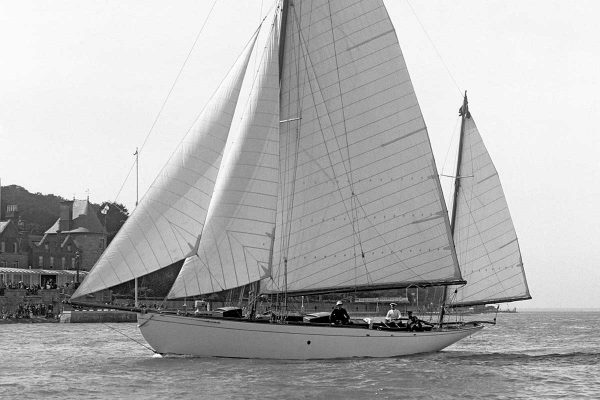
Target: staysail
166,226
236,240
360,203
484,235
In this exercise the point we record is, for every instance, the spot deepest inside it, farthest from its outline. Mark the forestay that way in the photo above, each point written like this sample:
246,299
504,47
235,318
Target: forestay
360,201
484,234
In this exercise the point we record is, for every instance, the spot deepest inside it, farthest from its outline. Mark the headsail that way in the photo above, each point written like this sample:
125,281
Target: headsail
360,203
166,225
485,238
235,244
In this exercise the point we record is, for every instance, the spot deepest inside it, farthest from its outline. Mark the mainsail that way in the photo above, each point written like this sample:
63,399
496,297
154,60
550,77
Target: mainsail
484,234
360,202
167,224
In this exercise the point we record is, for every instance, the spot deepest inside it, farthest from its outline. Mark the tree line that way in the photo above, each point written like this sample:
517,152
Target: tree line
38,211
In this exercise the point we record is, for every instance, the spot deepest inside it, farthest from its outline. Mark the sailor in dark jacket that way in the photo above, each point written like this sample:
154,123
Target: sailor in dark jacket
339,315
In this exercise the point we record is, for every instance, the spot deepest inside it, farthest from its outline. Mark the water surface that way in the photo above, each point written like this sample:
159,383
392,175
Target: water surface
527,355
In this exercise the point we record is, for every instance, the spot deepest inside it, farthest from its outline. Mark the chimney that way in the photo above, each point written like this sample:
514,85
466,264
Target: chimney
66,216
12,212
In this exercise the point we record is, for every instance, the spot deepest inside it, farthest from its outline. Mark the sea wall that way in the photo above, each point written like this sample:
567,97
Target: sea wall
11,298
91,316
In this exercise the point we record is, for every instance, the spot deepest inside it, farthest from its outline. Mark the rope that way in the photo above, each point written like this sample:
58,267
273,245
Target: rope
168,94
434,48
132,339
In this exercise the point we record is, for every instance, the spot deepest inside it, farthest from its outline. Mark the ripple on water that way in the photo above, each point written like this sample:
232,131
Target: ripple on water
527,355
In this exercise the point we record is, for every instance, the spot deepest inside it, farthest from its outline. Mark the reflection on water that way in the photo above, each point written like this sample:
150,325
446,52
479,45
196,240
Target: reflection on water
527,355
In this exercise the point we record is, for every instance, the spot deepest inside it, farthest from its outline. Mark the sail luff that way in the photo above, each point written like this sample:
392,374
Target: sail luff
165,227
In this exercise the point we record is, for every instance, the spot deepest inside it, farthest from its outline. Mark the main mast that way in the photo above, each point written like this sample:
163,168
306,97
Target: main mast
137,191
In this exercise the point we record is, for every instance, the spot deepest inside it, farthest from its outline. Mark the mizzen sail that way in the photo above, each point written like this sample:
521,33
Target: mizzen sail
167,224
360,203
484,235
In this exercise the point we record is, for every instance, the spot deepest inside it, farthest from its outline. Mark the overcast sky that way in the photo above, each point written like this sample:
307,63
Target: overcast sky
82,82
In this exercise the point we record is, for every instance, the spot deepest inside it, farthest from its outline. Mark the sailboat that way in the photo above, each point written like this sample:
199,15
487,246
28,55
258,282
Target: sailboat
319,179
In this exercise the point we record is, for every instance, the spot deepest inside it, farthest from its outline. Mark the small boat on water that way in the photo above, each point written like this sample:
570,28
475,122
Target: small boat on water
320,180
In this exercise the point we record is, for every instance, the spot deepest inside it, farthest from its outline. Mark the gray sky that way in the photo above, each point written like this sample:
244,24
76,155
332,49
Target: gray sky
83,81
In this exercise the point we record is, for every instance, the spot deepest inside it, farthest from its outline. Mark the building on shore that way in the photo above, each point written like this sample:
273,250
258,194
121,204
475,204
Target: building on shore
45,269
75,241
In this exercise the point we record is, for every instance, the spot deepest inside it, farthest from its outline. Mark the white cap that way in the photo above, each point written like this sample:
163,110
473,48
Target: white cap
339,303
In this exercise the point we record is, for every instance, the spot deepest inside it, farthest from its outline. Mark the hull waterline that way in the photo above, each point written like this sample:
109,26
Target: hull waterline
173,334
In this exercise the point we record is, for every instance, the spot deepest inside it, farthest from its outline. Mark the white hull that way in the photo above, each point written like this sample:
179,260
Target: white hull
173,334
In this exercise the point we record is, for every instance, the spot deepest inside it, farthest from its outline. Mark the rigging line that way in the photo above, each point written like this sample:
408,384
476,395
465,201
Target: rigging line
452,137
295,153
169,94
124,182
434,47
179,74
353,211
283,133
308,64
200,112
132,339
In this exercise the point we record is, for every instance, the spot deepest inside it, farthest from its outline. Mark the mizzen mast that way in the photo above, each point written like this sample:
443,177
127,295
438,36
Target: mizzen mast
464,113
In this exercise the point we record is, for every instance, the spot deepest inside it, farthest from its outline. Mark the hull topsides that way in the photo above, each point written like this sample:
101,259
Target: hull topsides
206,337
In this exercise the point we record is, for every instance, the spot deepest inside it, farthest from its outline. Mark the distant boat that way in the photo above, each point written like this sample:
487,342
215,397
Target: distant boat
320,180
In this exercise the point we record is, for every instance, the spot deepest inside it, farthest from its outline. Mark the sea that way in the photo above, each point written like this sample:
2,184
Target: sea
526,355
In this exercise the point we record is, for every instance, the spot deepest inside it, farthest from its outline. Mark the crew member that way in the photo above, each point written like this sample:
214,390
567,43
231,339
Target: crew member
393,315
414,323
339,315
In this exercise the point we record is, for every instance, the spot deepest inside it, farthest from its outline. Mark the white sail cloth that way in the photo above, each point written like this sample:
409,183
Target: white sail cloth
235,244
484,234
166,226
360,201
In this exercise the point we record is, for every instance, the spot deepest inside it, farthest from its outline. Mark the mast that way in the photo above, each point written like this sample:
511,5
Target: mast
464,112
282,33
137,174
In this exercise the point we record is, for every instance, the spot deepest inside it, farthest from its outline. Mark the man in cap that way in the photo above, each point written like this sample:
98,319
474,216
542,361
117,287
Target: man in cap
393,315
339,315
